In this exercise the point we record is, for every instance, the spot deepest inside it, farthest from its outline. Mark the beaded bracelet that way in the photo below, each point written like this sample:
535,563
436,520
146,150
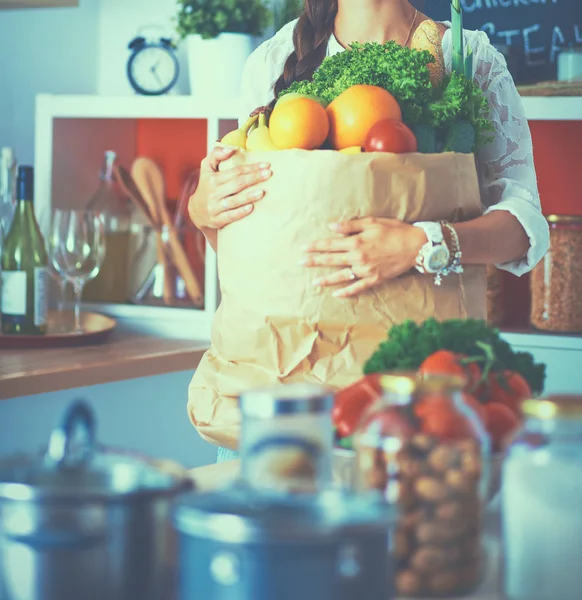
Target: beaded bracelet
455,265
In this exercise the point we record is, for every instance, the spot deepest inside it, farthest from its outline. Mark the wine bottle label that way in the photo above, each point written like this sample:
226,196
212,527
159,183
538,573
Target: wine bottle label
13,299
40,296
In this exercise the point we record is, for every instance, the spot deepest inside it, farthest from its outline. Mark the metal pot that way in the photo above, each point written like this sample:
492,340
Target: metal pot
82,523
240,544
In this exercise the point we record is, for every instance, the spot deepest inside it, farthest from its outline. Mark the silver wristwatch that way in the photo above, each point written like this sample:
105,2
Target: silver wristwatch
434,256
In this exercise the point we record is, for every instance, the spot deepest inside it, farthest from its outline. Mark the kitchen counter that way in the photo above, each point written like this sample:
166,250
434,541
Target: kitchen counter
129,352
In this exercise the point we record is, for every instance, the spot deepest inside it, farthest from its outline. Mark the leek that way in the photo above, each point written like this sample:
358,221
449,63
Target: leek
457,37
469,63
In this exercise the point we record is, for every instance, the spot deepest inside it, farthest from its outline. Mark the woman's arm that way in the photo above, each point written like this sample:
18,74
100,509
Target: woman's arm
513,233
495,238
223,197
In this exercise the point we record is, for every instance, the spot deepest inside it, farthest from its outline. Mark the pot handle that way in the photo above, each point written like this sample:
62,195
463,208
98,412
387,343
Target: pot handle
78,418
58,540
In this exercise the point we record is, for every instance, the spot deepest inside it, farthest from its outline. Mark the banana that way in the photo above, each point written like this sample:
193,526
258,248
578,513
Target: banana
352,150
259,139
238,137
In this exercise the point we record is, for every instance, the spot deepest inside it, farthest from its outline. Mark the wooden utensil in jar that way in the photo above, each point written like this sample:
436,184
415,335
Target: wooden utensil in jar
140,191
143,271
150,180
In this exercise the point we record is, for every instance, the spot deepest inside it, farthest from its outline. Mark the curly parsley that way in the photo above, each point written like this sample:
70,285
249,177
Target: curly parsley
408,344
404,73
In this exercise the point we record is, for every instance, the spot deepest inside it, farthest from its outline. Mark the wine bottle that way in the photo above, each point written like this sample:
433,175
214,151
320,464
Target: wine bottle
23,298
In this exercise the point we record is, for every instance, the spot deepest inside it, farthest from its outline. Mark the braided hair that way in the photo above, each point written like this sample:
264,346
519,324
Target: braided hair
310,38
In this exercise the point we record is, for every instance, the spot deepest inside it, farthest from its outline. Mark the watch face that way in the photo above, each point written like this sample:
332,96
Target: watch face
438,259
152,70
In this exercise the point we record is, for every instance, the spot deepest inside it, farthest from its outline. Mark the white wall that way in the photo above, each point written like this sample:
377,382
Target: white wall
81,50
148,415
43,51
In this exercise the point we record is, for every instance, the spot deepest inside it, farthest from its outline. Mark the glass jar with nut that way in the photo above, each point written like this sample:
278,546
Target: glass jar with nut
426,451
556,281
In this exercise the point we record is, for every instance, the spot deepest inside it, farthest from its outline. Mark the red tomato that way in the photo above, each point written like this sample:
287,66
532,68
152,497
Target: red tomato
478,408
390,135
351,403
442,362
508,388
501,424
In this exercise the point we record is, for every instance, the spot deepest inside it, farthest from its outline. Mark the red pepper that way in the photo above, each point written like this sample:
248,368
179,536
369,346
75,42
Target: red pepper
351,403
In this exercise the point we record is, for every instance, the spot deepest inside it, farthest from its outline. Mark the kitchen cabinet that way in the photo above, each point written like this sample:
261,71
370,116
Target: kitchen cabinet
15,4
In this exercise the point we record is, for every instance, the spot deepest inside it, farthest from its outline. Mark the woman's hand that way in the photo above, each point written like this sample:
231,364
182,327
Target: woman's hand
368,251
223,196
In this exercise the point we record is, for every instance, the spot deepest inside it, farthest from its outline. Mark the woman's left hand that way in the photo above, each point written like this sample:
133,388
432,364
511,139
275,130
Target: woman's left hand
367,252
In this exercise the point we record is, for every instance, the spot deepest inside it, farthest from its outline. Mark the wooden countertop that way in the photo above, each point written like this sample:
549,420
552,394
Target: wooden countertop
126,354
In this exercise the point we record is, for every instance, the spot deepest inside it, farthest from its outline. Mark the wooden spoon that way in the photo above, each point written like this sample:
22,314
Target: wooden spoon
143,188
150,181
130,189
127,184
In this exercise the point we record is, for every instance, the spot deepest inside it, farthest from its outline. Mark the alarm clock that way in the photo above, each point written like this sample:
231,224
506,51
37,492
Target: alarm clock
152,67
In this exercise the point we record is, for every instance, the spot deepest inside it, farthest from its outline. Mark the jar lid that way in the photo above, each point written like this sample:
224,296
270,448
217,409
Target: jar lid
294,398
75,467
565,219
407,383
240,515
566,405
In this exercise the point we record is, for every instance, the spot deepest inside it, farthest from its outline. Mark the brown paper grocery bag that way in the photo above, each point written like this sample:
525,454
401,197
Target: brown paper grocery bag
273,325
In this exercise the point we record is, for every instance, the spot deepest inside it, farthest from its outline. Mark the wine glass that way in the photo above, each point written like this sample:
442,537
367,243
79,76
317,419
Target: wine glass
77,249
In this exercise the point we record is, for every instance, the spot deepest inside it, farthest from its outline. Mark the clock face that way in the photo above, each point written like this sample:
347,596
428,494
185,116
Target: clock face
152,70
438,259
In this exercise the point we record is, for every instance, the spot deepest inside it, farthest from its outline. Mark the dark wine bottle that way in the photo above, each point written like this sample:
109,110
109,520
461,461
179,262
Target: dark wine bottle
23,298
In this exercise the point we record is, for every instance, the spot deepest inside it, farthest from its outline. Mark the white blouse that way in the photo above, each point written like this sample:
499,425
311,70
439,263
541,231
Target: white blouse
505,166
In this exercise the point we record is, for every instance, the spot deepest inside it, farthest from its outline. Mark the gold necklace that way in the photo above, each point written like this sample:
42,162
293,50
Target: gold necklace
411,27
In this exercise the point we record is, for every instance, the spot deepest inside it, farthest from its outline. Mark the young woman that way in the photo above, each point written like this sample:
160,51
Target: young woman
512,233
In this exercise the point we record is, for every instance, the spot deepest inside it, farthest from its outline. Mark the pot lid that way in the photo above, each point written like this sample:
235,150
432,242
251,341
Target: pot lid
241,515
74,466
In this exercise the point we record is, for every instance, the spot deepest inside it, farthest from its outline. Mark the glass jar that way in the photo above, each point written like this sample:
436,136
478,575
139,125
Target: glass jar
542,500
426,451
556,282
495,307
113,282
287,438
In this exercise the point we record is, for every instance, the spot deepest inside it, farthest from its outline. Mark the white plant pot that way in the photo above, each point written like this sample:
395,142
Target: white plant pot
215,66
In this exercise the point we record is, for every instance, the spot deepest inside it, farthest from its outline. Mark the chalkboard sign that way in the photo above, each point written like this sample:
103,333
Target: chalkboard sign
530,33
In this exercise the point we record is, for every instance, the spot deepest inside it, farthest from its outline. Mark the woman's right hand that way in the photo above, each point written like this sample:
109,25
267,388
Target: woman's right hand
223,197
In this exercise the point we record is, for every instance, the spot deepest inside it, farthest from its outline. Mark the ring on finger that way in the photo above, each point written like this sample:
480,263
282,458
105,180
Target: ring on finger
351,274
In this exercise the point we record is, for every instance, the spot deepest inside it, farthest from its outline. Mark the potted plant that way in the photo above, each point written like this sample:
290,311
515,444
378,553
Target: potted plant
220,37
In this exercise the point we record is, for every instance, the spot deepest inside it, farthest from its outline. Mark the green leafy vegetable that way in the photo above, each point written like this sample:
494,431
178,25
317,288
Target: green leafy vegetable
404,73
408,344
460,138
400,70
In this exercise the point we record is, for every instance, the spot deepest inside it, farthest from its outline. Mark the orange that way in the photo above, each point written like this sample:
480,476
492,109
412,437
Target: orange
300,123
354,112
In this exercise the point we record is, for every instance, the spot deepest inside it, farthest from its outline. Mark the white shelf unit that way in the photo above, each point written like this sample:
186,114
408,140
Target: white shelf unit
557,108
52,107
